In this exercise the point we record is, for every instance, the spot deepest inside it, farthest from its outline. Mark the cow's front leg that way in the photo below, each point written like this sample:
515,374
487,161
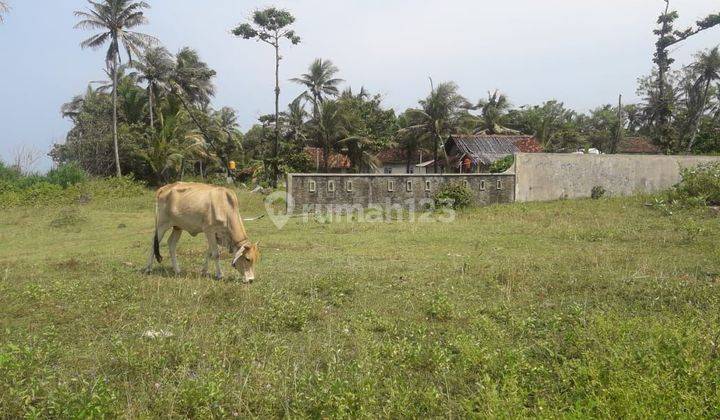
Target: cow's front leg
172,244
214,253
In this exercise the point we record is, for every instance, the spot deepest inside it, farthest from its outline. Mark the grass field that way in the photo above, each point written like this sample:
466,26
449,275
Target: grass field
575,308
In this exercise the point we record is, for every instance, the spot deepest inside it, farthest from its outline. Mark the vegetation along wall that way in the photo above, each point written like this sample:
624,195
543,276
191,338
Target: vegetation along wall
310,190
544,177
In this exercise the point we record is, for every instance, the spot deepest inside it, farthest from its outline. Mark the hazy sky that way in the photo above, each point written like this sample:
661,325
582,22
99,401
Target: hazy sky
582,52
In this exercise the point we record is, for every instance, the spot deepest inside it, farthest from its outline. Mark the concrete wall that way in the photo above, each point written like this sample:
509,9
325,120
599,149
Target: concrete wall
373,189
543,177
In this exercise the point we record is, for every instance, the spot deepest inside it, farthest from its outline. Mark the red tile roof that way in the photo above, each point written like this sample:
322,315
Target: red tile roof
336,160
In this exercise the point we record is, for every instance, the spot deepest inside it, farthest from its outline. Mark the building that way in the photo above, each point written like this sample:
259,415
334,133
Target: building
338,163
475,153
637,146
395,161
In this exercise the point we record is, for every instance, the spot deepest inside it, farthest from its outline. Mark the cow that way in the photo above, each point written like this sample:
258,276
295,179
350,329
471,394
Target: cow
200,208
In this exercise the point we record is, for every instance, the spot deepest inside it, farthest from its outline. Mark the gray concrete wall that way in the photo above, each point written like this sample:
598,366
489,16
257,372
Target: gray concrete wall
373,189
544,176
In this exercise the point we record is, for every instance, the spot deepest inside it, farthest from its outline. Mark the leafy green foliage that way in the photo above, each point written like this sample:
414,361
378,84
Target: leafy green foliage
699,186
455,195
502,165
597,192
66,175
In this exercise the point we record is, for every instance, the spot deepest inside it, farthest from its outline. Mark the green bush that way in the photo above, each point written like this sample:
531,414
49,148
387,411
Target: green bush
502,165
66,175
699,186
597,192
455,195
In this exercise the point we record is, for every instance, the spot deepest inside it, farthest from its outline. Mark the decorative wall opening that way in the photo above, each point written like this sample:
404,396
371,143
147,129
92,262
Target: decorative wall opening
482,185
331,186
428,186
391,186
349,186
499,184
408,186
312,186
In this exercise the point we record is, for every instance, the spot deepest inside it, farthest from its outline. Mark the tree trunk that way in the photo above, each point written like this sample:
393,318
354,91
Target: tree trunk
275,168
115,118
152,115
326,157
409,157
435,156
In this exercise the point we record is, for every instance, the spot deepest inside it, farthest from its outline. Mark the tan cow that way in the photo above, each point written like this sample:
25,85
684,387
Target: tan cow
200,208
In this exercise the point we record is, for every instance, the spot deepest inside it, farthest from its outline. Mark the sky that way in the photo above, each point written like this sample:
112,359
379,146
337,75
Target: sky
581,52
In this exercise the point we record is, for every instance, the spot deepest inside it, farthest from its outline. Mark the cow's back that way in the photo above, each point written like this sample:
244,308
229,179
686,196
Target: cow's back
196,207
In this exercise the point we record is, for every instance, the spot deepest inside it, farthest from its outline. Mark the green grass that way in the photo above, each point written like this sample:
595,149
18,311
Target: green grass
574,308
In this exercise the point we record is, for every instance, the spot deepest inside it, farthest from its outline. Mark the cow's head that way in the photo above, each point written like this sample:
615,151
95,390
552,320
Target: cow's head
245,258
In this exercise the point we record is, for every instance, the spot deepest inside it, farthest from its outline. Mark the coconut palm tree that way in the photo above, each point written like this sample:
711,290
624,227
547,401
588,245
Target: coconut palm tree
171,145
4,8
707,69
154,68
438,117
329,128
358,150
320,81
115,19
294,120
493,109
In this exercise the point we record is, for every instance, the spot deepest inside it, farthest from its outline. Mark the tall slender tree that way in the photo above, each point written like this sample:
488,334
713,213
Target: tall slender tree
438,117
154,68
320,81
668,36
271,26
115,19
707,69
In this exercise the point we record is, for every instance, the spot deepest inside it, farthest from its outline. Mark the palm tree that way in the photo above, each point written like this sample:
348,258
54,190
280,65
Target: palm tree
4,8
294,120
707,68
171,145
114,19
438,117
358,150
154,67
329,128
493,109
320,81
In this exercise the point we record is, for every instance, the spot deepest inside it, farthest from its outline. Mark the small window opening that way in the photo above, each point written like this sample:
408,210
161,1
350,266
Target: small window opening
499,184
427,186
482,185
331,186
391,186
408,186
312,186
349,186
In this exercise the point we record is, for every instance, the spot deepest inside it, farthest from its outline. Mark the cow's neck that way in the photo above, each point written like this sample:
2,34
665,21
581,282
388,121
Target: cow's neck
237,232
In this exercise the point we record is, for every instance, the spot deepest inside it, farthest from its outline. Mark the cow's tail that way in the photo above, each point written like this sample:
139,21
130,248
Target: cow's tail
156,240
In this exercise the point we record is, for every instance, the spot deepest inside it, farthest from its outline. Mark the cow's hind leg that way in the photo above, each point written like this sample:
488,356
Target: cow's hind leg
214,253
159,235
172,244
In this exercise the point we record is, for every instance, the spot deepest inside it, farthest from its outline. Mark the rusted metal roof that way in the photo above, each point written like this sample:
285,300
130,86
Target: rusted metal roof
336,160
640,145
486,149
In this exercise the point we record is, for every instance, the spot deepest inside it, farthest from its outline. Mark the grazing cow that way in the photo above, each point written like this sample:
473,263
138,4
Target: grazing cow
200,208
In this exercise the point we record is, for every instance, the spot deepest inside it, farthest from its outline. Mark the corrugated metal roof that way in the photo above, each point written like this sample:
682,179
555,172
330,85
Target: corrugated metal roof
486,149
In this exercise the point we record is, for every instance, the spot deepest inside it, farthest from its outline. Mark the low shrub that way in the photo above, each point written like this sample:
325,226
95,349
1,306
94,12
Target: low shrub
502,165
699,186
455,195
597,192
66,175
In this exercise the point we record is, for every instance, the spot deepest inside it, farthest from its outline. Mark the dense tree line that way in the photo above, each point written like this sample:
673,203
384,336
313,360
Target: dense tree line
154,119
